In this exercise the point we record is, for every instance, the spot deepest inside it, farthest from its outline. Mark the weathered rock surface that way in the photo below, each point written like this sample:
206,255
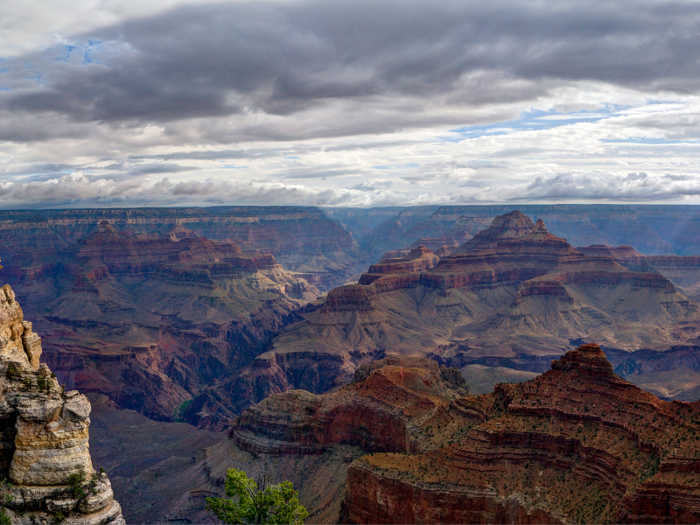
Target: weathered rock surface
386,404
46,466
575,445
417,259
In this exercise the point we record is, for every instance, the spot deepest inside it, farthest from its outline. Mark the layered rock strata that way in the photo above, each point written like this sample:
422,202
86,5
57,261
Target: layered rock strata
387,407
159,322
682,270
514,296
577,444
46,468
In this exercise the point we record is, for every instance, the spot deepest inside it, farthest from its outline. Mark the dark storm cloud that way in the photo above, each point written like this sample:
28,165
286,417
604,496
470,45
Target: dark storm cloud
224,59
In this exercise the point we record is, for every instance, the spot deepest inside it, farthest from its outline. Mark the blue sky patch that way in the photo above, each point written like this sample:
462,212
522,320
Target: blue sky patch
534,120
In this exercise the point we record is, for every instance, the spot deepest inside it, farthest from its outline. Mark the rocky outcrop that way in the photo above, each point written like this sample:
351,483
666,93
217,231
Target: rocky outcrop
387,408
577,444
418,259
47,472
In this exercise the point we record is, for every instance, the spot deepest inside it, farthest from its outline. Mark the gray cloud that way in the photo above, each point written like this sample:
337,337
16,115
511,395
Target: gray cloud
279,59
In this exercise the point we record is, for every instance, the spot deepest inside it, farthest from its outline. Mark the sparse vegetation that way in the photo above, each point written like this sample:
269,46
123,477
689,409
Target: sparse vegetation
76,484
11,373
257,501
179,411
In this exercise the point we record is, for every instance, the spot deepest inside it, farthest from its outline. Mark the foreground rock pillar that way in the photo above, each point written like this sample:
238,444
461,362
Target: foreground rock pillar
45,466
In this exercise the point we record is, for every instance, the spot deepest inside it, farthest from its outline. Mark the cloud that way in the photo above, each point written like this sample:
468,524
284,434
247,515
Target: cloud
388,102
280,59
599,186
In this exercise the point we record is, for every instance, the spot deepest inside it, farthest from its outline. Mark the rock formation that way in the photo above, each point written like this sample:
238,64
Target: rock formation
417,259
158,322
575,445
682,270
380,410
513,296
47,472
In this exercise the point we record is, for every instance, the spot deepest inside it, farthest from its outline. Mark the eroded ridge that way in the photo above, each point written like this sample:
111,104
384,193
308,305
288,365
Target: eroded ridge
575,445
45,458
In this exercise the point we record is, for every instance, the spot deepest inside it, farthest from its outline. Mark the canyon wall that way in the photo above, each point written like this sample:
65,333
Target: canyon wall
513,295
577,444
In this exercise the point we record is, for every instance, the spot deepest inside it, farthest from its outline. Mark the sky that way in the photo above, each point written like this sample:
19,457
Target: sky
108,103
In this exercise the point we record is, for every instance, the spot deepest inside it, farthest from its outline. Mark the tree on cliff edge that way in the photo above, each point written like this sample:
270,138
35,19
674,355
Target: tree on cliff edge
257,502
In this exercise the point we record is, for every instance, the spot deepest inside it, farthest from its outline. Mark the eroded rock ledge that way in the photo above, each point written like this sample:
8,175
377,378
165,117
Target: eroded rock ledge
575,445
45,466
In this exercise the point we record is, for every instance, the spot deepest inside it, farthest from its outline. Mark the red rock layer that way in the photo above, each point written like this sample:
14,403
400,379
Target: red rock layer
577,444
418,259
377,412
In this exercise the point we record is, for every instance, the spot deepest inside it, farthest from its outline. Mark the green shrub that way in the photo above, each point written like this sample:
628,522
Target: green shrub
252,503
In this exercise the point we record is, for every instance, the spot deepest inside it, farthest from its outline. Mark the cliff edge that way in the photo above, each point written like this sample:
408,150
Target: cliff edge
47,474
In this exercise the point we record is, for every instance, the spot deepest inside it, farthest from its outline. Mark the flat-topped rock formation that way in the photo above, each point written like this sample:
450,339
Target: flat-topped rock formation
48,476
575,445
514,296
417,259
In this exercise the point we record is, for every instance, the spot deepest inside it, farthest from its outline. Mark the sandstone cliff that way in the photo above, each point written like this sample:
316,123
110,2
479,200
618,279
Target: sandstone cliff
575,445
47,472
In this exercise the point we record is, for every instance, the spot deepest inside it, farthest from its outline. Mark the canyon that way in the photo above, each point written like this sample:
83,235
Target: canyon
194,317
512,296
575,444
155,321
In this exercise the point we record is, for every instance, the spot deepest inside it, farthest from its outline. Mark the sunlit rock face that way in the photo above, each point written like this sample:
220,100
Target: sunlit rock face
44,436
575,445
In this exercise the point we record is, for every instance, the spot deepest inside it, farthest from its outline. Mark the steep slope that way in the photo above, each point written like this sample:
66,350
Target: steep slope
575,445
153,321
45,463
514,296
